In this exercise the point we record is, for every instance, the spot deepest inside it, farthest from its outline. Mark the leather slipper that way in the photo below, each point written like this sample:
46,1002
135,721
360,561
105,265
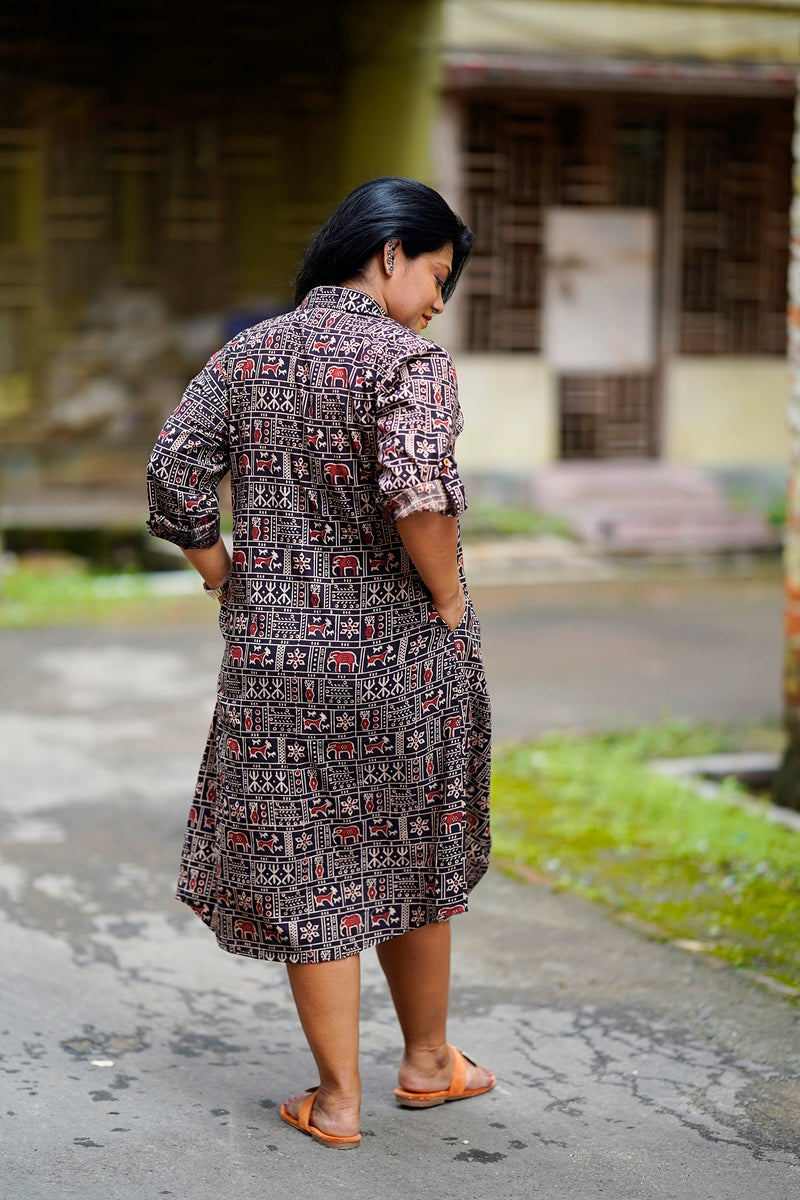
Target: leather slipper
303,1122
456,1091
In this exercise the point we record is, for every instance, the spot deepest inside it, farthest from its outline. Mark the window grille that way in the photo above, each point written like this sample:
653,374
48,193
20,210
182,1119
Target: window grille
607,416
524,153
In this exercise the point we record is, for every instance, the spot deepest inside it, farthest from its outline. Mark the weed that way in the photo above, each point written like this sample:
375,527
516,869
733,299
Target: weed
494,521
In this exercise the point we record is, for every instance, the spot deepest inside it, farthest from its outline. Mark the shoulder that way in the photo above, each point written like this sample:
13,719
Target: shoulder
404,341
401,348
260,336
238,358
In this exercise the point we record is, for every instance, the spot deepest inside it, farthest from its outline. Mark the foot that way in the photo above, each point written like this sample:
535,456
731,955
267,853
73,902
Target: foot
432,1071
334,1114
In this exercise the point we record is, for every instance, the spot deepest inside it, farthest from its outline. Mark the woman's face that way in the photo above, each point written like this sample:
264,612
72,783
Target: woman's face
413,292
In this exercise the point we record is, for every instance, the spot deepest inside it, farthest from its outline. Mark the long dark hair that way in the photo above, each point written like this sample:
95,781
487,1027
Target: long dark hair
365,220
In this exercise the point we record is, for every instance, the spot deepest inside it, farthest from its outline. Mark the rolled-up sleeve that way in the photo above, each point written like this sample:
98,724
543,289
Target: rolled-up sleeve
418,421
188,461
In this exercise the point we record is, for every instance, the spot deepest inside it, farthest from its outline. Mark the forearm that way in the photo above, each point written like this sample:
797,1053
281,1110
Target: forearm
213,563
431,539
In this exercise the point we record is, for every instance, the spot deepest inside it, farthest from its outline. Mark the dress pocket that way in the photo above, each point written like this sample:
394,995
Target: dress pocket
461,637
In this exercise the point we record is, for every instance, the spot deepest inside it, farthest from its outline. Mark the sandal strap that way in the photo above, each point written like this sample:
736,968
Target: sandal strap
459,1072
304,1111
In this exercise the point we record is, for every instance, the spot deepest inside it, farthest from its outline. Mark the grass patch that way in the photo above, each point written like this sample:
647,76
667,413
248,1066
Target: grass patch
590,815
53,591
776,512
484,521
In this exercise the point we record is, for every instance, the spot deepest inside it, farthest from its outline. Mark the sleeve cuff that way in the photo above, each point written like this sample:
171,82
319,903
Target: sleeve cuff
437,496
198,534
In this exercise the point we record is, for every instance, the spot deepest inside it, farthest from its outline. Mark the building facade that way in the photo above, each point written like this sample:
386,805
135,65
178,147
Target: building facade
161,166
627,168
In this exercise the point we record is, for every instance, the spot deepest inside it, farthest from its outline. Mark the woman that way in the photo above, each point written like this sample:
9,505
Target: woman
343,800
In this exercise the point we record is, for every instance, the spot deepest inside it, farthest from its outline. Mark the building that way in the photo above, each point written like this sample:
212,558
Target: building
627,168
161,165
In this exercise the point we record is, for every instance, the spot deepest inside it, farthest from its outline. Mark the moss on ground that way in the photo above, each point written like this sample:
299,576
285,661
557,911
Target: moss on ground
593,817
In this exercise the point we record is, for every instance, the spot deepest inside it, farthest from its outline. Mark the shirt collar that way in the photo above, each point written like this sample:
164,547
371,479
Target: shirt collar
344,299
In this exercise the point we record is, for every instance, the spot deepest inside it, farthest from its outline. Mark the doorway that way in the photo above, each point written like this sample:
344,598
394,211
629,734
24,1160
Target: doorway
599,328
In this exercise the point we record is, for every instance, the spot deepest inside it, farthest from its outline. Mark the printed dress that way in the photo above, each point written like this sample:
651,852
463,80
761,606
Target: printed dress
343,797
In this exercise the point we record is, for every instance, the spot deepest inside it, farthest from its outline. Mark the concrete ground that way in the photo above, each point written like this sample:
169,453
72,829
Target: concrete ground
624,651
140,1061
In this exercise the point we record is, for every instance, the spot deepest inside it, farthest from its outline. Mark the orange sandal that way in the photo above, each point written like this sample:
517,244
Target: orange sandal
456,1090
303,1122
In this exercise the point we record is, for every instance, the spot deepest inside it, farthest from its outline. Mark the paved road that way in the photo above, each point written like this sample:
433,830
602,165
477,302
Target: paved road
140,1061
608,653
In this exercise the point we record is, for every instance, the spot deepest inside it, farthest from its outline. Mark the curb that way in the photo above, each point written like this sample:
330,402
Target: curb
651,931
549,559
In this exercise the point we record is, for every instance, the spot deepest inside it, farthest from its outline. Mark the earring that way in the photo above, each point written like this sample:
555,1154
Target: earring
390,256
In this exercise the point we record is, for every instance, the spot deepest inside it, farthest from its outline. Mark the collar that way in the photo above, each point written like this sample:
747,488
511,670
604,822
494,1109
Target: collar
344,299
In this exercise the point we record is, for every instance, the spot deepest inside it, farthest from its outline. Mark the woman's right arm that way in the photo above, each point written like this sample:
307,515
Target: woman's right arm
188,461
419,486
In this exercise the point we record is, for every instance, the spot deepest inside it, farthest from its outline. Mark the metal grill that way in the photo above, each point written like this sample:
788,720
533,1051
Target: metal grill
735,233
607,416
201,194
727,234
524,153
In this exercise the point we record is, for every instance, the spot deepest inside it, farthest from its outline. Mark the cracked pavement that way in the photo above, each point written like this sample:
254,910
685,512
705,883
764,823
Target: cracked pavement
138,1060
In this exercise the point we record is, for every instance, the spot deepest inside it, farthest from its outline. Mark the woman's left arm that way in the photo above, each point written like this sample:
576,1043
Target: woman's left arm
213,563
431,539
418,420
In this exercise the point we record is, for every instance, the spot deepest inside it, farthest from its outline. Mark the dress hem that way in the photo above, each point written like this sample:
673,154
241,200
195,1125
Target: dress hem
330,954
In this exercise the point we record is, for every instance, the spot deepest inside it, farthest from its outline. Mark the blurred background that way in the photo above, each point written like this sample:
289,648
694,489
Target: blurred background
619,335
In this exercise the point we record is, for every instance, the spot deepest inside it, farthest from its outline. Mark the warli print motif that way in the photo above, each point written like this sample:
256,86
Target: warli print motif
343,796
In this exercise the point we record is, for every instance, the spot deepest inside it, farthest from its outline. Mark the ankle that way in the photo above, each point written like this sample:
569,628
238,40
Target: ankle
336,1096
428,1057
336,1112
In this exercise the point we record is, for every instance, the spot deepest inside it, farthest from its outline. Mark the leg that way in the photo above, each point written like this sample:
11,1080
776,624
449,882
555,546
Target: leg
327,997
417,967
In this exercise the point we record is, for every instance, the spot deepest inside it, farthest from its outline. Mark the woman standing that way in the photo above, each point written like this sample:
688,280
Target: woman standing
343,799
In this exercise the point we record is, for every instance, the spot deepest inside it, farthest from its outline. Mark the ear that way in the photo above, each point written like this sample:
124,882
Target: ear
390,250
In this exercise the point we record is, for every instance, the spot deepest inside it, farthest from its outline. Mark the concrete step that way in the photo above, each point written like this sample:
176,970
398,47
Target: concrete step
645,507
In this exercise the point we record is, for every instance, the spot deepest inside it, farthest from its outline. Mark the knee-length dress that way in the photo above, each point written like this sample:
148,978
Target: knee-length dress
343,796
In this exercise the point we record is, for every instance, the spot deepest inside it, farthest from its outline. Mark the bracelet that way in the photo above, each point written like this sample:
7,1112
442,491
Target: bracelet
218,592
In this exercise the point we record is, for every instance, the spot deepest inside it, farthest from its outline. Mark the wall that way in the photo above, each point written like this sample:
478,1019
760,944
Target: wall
509,407
391,89
719,412
726,411
720,31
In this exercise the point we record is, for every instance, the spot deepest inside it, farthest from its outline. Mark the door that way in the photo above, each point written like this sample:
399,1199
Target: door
599,331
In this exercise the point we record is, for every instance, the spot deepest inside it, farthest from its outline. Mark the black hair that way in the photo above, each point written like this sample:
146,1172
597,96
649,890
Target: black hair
390,207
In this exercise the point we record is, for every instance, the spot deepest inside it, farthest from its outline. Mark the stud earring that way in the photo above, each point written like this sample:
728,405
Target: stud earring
390,256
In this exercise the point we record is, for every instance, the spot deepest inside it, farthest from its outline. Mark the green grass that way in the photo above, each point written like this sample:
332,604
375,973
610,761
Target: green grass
590,815
61,592
483,521
776,512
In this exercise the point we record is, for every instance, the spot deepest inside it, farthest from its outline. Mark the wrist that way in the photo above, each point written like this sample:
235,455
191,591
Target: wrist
218,590
452,611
